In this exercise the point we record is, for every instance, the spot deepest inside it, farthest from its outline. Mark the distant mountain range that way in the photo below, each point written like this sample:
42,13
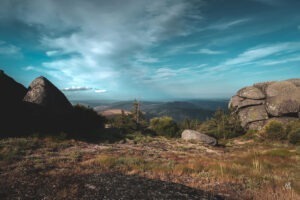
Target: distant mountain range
178,110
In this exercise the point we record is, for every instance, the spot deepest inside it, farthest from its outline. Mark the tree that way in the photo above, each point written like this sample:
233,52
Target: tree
222,125
138,116
164,126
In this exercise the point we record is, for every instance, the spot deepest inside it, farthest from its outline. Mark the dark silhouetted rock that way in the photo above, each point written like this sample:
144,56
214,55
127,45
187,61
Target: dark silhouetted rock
44,94
195,135
11,91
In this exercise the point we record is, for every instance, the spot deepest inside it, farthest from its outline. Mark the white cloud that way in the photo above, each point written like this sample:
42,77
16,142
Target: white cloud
175,49
165,73
9,49
258,56
75,89
52,53
263,51
103,38
146,59
227,24
100,91
29,68
270,2
207,52
281,61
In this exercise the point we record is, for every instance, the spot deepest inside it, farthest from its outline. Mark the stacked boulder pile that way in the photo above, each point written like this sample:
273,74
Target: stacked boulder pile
262,102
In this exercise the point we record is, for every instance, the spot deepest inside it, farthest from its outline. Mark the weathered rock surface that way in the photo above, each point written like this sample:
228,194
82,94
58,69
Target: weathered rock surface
251,93
256,104
250,102
43,93
252,114
283,99
195,135
234,102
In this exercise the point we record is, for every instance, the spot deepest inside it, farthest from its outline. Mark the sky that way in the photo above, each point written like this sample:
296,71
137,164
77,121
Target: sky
150,50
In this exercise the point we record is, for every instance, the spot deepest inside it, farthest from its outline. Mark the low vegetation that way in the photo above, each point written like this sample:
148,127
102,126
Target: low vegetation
256,165
243,169
164,126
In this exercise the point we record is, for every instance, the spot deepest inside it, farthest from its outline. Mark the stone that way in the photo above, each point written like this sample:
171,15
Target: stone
295,81
234,102
251,93
197,136
263,86
280,88
257,125
256,104
252,114
250,102
12,91
43,93
283,99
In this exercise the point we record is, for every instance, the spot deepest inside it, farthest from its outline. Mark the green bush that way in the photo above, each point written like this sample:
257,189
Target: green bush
222,125
164,126
293,131
294,136
274,130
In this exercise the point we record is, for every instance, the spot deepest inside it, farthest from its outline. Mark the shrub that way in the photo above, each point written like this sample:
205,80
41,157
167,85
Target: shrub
274,130
222,125
164,126
294,136
86,119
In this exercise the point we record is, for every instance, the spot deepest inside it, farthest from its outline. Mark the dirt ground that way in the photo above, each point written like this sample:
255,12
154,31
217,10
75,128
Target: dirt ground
147,168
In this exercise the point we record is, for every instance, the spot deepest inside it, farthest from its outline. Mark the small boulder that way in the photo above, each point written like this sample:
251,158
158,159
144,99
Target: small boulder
195,135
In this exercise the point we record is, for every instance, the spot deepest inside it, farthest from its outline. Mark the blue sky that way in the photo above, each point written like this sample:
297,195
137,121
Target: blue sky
150,50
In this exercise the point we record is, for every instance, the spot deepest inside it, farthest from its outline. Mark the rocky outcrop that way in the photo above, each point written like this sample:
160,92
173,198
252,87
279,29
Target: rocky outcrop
257,104
44,94
195,135
11,91
42,107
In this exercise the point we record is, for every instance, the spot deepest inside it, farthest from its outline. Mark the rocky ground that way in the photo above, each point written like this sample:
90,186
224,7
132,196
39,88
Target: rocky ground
147,168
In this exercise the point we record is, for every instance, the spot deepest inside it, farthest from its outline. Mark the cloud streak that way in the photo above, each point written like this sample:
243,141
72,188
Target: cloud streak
75,89
207,52
9,49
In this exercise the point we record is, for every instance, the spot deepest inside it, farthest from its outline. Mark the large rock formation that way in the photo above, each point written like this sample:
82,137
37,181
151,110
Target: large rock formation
11,91
44,94
43,108
195,135
257,104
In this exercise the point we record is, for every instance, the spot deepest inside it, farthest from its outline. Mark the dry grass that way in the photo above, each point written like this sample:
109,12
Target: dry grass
243,170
